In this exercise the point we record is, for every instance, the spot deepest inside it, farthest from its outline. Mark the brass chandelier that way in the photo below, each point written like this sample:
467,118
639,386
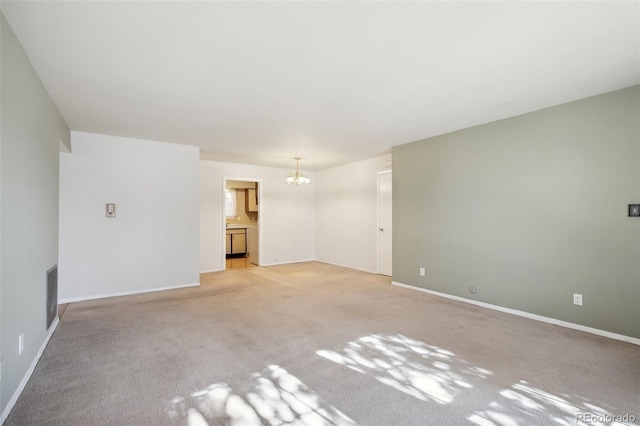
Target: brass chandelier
296,176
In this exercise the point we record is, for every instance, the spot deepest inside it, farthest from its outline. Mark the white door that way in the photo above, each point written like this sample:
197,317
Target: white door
384,223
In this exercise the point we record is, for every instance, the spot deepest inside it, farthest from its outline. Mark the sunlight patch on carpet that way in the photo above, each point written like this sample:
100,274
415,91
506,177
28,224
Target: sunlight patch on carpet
525,404
426,372
274,397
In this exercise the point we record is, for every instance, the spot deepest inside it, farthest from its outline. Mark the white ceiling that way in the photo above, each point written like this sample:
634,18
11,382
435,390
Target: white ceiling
332,82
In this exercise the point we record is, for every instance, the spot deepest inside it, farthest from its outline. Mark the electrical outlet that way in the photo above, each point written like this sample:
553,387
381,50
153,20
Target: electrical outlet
422,272
20,344
577,299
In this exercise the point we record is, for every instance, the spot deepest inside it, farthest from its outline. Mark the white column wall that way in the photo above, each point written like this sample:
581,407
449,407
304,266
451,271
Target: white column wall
153,242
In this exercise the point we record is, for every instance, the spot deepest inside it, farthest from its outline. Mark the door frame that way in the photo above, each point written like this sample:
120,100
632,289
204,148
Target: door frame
224,217
379,174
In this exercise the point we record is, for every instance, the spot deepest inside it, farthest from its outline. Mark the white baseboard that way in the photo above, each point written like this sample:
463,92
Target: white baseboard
27,375
524,314
212,270
124,293
288,262
346,266
266,264
302,261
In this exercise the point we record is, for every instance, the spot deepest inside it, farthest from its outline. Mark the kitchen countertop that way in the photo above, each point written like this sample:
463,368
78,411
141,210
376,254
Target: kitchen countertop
247,226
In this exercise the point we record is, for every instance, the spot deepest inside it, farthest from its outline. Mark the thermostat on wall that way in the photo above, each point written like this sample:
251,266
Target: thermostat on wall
110,210
634,210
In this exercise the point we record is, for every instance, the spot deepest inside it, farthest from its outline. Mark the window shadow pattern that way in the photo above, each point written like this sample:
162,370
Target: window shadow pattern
273,397
424,371
526,404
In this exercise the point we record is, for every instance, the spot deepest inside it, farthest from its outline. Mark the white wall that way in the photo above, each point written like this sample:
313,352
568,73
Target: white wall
153,241
347,224
287,227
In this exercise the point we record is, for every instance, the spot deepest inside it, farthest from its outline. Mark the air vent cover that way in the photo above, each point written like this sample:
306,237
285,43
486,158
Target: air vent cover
52,295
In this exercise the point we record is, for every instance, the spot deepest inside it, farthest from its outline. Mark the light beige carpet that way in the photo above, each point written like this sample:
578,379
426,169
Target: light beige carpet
312,343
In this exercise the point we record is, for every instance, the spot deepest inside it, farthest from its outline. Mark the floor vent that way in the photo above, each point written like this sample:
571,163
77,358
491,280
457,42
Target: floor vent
52,295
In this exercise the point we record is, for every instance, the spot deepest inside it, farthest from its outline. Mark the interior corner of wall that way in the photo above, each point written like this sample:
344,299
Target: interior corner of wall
64,147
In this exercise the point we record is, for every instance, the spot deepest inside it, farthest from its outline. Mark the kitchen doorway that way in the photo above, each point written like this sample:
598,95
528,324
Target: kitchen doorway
242,200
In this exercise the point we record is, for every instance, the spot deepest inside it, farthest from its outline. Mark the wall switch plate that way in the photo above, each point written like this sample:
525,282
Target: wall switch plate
20,344
577,299
634,210
422,272
110,210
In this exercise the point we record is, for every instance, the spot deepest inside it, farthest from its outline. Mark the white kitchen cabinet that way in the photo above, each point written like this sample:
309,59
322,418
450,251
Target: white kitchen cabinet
239,243
236,241
251,200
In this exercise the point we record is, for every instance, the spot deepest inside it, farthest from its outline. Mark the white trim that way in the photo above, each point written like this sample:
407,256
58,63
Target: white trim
345,266
290,262
301,261
528,315
27,375
124,293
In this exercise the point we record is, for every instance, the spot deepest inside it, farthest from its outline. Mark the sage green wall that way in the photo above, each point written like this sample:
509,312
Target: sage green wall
31,132
528,210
